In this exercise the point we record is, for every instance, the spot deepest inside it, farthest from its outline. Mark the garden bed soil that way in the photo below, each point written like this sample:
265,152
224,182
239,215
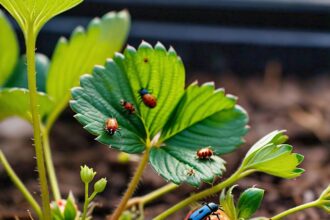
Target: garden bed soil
299,106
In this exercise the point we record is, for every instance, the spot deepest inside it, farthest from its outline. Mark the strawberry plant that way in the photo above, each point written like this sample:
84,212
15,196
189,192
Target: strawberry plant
135,102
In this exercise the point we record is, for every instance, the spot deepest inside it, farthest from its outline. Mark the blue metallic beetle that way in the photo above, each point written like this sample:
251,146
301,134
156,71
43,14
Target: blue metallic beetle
204,211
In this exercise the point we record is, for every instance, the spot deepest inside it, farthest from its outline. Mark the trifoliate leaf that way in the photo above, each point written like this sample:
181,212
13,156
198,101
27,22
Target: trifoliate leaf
162,73
99,98
270,156
19,77
8,48
180,164
16,102
248,202
85,49
227,203
36,12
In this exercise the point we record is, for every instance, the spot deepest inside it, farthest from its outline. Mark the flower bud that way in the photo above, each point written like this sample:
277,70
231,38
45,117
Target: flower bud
87,174
100,185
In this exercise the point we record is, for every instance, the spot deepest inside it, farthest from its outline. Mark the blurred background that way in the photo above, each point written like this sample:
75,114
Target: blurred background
273,54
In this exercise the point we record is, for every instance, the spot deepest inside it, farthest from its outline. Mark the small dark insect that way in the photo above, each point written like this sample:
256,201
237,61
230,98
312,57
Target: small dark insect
204,153
146,60
111,126
128,106
147,98
190,172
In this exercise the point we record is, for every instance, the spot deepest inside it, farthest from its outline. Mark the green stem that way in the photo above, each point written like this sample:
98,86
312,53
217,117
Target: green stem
19,184
296,209
50,166
132,185
30,42
86,202
205,193
152,196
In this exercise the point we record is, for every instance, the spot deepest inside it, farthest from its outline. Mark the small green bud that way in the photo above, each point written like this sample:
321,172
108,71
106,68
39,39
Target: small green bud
87,174
100,185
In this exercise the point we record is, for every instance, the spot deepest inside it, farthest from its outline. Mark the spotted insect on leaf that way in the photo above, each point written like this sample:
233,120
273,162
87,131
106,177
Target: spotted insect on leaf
204,153
129,107
111,126
147,98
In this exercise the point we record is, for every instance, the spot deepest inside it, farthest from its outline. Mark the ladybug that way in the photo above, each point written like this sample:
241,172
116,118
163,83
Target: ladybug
147,98
128,106
204,153
111,126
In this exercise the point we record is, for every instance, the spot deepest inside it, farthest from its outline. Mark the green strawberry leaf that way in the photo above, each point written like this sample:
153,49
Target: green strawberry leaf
196,104
9,49
71,59
162,73
270,155
36,12
190,120
19,77
99,98
16,102
223,131
180,164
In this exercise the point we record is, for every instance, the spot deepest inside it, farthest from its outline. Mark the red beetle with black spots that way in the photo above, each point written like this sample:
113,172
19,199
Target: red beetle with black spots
204,153
111,126
147,98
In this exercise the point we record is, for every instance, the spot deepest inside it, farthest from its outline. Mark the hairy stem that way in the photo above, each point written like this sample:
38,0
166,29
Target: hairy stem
19,184
30,42
86,202
152,196
132,185
295,209
205,193
50,166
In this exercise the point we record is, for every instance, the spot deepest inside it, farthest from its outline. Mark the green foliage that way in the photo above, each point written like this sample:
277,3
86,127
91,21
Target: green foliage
71,59
19,76
248,202
181,123
64,209
228,204
159,71
103,37
16,102
8,48
325,200
180,164
270,155
35,13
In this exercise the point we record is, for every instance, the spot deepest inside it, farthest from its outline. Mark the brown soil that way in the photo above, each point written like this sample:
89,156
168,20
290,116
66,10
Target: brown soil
300,106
